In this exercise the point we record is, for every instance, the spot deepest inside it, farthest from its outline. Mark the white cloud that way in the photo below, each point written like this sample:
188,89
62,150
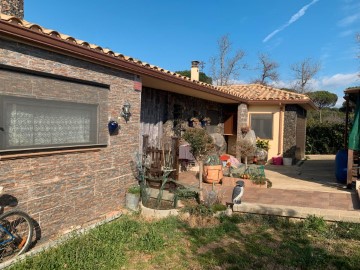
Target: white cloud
293,19
346,33
349,20
340,80
336,83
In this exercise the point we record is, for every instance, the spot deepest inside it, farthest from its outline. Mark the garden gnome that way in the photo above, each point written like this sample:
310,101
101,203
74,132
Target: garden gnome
238,192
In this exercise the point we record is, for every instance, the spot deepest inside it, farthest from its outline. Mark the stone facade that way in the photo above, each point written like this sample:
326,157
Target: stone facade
12,7
63,190
291,143
165,114
242,122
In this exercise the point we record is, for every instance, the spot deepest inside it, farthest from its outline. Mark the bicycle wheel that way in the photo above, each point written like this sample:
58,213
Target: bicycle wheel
18,235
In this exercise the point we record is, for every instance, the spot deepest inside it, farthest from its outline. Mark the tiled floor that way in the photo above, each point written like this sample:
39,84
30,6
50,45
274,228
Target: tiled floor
315,194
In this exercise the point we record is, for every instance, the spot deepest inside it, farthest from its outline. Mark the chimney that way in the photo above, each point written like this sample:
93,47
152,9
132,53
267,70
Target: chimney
12,8
195,70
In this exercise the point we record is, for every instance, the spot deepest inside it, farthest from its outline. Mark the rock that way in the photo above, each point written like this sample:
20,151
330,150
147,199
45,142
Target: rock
220,143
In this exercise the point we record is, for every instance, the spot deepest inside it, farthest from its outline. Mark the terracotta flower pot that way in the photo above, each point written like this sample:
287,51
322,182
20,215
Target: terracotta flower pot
212,174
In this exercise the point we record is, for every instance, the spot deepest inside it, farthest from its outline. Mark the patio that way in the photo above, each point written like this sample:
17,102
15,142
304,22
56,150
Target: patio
307,188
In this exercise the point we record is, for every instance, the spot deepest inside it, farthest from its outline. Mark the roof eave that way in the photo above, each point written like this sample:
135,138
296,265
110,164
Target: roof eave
306,104
31,37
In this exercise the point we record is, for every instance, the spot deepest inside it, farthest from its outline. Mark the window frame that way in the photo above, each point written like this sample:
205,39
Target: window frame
93,109
272,124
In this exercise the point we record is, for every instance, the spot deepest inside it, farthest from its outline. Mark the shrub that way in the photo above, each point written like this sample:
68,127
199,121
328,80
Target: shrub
200,141
324,138
134,190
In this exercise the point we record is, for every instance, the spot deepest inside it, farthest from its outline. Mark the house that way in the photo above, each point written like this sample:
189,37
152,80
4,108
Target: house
275,115
57,97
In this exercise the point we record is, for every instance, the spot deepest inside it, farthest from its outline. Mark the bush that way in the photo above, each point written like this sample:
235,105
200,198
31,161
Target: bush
324,138
200,141
134,190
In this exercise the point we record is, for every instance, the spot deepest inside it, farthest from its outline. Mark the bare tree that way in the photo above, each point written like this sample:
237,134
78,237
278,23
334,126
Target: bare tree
268,70
304,71
224,67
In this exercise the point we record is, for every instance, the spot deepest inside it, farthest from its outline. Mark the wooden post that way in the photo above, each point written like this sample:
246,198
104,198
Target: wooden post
175,157
144,148
350,168
346,97
145,143
201,196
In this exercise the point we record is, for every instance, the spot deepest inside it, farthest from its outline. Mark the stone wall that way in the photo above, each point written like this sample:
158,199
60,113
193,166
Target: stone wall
242,122
12,7
292,112
64,190
166,113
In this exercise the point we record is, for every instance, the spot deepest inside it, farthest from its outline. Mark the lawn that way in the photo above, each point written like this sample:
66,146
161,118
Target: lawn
237,242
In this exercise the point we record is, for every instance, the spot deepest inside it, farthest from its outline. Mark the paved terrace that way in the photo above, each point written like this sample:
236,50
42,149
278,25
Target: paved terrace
297,191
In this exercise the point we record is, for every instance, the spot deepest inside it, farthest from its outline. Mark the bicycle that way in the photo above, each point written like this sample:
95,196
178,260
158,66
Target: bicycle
16,232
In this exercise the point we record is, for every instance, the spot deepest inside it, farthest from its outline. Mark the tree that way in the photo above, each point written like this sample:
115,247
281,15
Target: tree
202,76
201,143
223,66
323,99
268,70
304,71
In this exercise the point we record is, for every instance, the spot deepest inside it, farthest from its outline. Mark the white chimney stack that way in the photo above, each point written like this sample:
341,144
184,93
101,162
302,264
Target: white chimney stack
195,70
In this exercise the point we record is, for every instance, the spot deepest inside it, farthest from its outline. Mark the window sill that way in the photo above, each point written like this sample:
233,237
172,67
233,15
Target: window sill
49,152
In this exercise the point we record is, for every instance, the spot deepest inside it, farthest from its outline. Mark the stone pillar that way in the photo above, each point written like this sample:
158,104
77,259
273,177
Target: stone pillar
289,144
12,8
242,121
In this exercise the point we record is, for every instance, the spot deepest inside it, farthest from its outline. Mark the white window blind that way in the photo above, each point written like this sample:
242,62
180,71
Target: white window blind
262,124
31,123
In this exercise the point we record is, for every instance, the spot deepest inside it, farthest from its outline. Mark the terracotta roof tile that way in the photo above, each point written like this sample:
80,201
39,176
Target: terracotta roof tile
248,92
73,40
258,92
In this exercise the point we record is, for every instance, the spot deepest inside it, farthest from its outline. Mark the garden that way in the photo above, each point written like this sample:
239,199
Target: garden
202,241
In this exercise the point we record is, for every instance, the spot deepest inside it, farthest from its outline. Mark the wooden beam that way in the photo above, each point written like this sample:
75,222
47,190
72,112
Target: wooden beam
350,167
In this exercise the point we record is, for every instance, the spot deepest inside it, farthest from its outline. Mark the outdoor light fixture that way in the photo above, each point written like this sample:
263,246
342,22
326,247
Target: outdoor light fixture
126,111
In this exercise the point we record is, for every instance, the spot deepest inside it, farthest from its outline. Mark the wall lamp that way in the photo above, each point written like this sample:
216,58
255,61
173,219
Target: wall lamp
126,111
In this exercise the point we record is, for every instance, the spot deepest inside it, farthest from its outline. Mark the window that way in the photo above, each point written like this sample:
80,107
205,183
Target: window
31,123
262,124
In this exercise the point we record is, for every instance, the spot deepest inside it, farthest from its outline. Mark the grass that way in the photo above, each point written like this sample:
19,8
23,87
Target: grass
236,242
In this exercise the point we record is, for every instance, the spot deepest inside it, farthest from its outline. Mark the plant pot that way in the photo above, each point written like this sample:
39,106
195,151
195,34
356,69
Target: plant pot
277,161
132,201
287,161
212,174
261,162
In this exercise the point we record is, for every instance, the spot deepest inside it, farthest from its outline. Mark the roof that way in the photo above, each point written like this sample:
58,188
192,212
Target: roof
257,93
354,89
240,93
56,34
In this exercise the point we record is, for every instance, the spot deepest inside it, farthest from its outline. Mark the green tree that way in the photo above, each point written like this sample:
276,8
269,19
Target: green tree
323,99
202,76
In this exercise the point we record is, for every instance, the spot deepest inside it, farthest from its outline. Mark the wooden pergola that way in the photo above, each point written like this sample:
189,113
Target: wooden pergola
351,94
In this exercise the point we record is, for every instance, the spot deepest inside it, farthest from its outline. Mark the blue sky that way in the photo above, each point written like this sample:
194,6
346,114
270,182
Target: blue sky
170,34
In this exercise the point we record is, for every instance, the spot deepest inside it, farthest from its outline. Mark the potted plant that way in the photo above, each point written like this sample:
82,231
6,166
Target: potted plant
261,152
247,143
205,121
133,197
212,172
201,143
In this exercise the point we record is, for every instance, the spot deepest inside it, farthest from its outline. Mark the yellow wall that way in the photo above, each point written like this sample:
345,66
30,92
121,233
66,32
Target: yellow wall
275,144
